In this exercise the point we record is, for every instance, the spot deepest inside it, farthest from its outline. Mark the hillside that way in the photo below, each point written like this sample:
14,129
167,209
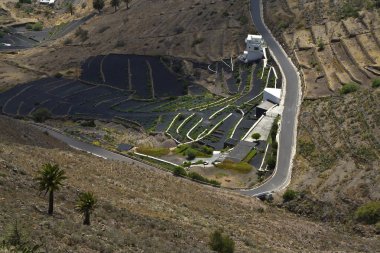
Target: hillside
140,210
203,30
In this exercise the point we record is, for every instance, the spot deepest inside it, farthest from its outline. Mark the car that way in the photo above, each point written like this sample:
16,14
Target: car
6,44
47,1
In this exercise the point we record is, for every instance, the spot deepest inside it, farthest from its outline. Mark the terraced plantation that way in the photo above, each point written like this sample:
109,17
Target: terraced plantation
148,94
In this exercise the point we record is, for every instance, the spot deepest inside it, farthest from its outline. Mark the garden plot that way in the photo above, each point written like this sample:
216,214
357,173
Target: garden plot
319,34
139,77
335,73
243,127
218,137
351,68
367,41
303,39
335,31
91,71
354,27
356,52
67,88
115,69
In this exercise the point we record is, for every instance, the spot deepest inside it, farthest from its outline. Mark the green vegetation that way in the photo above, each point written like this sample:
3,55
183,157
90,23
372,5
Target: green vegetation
82,34
289,195
349,10
35,27
348,88
98,5
368,213
271,162
153,151
250,155
221,243
321,44
190,154
242,167
197,177
376,83
305,147
41,115
194,149
15,242
256,136
25,1
115,4
86,204
49,179
179,171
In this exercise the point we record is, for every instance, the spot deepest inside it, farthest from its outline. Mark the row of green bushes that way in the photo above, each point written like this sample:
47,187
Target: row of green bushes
180,171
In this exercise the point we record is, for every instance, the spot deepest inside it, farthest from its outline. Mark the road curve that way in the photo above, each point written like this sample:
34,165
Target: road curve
291,102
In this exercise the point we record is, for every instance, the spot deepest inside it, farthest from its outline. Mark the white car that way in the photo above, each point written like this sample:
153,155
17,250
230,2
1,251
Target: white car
6,44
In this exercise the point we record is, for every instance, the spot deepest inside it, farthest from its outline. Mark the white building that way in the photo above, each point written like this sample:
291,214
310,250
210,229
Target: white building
254,48
273,95
47,1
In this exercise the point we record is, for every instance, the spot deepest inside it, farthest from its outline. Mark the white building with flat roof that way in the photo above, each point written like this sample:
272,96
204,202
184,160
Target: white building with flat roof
47,1
273,95
254,48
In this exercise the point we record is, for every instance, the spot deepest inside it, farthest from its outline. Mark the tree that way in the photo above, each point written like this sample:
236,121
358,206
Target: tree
86,204
70,8
190,155
256,136
179,171
98,5
41,114
221,243
271,162
127,2
115,4
50,179
376,82
368,213
289,195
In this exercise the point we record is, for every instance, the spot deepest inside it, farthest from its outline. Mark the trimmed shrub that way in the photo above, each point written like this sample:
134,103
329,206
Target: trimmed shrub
221,243
376,83
348,88
41,115
256,136
179,171
289,195
271,162
368,213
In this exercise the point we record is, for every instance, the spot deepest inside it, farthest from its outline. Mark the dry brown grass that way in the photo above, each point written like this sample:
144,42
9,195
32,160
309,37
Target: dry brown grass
140,210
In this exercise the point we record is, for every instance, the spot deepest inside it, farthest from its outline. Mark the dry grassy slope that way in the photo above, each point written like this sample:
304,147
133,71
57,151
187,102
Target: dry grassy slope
153,28
337,163
141,210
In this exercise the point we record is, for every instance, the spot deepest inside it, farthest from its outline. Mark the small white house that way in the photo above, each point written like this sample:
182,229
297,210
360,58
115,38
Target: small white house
47,1
273,95
254,48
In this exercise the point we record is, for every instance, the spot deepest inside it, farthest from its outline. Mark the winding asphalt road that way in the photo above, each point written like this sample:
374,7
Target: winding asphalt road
291,102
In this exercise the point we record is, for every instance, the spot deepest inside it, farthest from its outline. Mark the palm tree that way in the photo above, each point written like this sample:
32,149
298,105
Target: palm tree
86,204
50,178
115,3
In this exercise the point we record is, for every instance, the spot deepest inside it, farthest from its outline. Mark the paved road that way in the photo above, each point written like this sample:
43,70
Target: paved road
282,174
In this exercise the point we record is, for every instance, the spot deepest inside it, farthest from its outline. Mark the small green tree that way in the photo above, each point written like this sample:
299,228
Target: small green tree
256,136
190,155
221,243
321,44
50,178
368,213
41,114
289,195
179,171
98,5
115,4
348,88
86,204
376,83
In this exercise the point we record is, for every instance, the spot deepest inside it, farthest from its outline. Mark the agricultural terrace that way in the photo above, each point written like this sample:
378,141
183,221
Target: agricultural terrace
151,94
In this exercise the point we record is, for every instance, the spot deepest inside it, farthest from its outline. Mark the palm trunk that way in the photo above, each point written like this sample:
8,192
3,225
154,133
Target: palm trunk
51,202
86,218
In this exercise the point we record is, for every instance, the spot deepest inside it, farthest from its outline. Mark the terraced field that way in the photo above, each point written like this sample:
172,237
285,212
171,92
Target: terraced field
332,46
148,93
